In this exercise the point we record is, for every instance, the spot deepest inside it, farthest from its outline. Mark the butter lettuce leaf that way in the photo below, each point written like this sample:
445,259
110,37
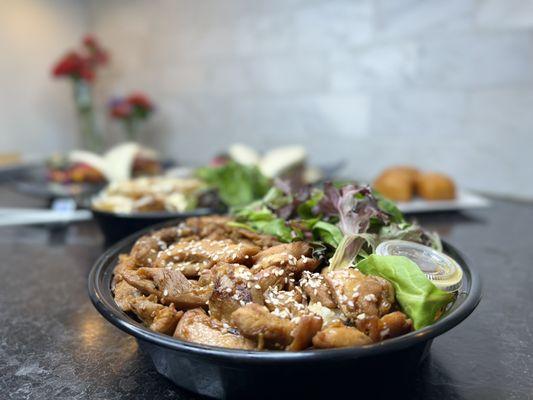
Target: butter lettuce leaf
419,298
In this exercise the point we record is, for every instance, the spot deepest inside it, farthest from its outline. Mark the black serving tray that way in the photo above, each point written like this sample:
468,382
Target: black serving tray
380,369
117,226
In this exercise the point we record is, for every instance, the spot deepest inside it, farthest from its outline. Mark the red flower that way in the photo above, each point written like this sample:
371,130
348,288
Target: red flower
140,100
69,65
82,65
136,106
120,109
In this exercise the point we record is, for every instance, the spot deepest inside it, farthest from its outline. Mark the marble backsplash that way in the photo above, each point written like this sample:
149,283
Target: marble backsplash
443,84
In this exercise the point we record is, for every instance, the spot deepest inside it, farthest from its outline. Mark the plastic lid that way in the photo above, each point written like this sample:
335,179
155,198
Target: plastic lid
441,269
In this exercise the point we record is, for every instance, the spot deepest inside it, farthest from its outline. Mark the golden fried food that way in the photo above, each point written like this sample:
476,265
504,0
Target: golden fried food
397,183
435,186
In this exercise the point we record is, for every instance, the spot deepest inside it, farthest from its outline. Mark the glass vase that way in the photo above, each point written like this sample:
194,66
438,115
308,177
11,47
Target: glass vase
91,139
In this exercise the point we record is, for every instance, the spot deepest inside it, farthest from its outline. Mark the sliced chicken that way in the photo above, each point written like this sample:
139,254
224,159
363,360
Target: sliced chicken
270,331
256,322
125,263
169,286
124,293
386,327
145,251
306,328
218,228
167,236
157,317
262,241
315,287
286,303
269,278
232,288
166,320
360,296
191,258
213,227
340,336
196,326
294,257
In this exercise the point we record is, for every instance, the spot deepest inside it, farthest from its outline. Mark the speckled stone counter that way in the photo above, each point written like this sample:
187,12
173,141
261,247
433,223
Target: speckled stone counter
54,345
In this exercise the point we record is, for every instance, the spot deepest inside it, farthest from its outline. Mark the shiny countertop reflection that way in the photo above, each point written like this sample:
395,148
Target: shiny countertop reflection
53,343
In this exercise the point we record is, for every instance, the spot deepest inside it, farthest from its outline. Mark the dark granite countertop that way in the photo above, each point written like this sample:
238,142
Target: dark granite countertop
53,343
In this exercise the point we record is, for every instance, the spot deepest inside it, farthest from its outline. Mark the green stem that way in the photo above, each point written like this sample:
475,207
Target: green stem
132,128
84,105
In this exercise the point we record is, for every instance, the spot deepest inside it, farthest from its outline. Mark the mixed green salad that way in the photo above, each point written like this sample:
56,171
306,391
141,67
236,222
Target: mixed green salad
345,224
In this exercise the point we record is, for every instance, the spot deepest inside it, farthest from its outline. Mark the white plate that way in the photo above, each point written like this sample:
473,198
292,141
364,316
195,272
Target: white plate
464,201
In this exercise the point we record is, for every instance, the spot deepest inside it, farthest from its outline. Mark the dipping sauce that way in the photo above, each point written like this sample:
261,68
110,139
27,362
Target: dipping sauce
442,270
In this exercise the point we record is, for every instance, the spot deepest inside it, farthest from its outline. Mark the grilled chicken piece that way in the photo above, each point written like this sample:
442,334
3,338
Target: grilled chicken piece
386,327
166,320
394,324
256,322
169,286
156,316
145,250
213,227
316,288
286,303
196,326
306,328
270,331
294,257
232,288
124,293
262,241
339,335
121,289
270,277
125,263
193,257
360,296
167,235
217,228
329,315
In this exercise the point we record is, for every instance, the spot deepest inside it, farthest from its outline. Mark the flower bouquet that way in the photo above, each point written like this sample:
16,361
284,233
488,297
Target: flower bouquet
80,67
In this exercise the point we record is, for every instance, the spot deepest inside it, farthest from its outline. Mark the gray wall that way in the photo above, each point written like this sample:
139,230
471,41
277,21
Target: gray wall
36,113
446,85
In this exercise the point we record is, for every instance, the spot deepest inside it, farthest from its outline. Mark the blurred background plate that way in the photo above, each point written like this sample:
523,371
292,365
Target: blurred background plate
31,179
465,200
117,226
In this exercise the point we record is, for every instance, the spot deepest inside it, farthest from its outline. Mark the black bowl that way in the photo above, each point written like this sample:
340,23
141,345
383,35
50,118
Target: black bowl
380,369
117,226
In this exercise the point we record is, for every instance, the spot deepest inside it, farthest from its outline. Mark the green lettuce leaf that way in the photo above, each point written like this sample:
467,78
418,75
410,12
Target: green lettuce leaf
277,227
327,233
237,184
390,208
265,221
419,298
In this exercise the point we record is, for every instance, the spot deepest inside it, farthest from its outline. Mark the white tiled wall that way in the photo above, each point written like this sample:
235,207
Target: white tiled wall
445,84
